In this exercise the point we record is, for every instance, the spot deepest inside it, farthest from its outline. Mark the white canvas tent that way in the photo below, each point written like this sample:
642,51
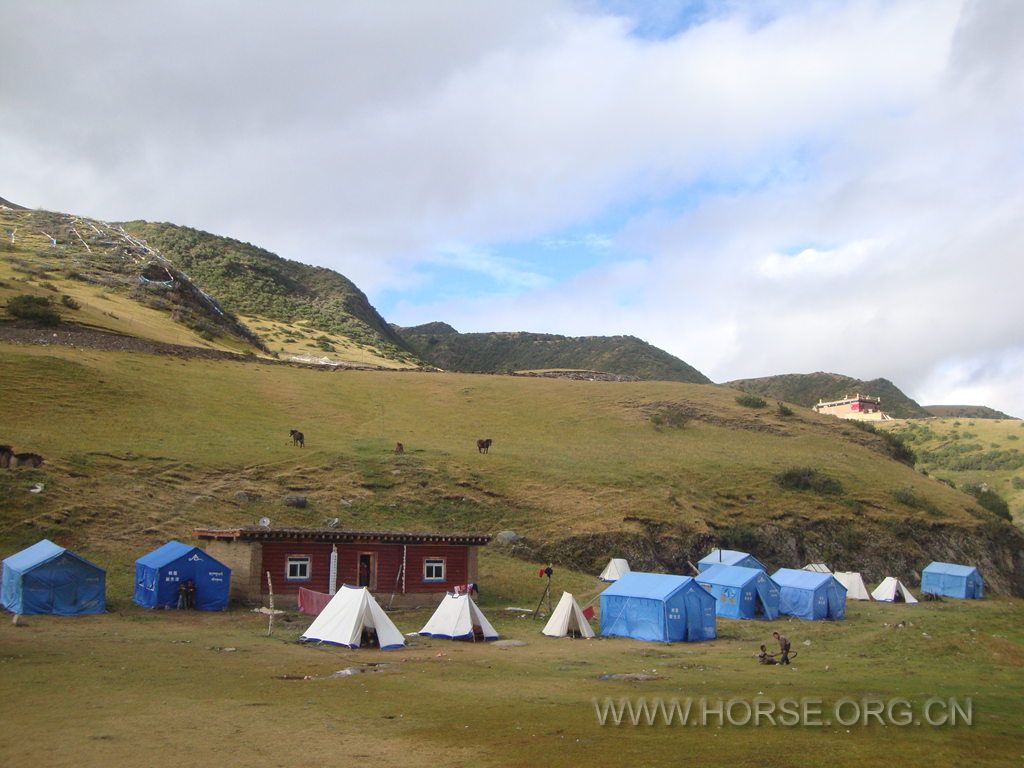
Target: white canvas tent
567,619
458,617
350,611
855,588
817,568
891,590
615,570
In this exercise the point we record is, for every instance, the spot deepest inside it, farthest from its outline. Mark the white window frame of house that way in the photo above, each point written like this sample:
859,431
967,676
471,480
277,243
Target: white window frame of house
429,563
298,560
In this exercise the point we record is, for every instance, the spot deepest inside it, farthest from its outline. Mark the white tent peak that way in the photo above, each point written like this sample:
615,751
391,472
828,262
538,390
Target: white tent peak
855,588
567,619
458,617
615,570
817,568
892,590
351,610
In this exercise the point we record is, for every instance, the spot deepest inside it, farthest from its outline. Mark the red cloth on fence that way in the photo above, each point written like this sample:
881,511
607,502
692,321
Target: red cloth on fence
312,602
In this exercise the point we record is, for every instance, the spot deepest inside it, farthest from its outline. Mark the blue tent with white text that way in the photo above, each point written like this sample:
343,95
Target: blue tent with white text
159,574
810,595
658,606
47,578
953,580
729,557
741,593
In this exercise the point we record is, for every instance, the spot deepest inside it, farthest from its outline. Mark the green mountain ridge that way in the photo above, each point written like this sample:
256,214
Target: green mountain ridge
498,352
807,389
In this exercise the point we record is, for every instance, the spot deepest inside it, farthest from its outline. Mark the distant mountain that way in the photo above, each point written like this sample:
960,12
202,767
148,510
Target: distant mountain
252,281
966,412
808,388
441,345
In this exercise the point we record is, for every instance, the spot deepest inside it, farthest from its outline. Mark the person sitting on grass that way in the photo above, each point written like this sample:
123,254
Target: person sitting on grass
765,658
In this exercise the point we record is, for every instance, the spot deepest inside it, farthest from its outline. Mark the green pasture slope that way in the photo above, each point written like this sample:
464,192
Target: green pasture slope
141,448
971,452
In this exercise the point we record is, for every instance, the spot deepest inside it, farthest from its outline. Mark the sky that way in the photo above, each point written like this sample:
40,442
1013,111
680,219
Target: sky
756,187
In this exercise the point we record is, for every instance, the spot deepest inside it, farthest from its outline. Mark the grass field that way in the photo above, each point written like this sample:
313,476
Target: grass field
157,688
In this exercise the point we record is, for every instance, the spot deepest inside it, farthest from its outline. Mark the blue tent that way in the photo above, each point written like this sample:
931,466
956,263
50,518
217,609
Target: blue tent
952,580
657,606
741,593
729,557
810,595
159,574
46,578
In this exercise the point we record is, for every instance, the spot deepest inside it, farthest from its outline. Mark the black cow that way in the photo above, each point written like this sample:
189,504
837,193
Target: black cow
298,438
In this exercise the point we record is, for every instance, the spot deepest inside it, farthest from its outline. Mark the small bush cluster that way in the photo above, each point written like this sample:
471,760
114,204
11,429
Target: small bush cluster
896,445
751,401
909,497
990,500
70,302
671,417
809,479
37,309
784,410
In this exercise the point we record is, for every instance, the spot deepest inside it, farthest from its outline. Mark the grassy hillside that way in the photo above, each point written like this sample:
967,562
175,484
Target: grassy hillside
971,452
254,282
808,388
965,412
443,346
140,448
111,282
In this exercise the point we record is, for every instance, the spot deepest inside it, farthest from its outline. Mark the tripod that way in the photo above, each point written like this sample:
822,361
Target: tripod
543,597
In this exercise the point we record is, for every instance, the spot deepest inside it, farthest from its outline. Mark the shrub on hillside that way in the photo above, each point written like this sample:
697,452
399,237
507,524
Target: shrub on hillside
36,309
896,446
909,497
784,410
751,401
1018,483
990,500
70,302
672,417
808,479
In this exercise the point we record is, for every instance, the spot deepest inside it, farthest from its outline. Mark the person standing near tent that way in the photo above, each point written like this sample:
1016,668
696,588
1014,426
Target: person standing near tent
783,647
190,595
182,595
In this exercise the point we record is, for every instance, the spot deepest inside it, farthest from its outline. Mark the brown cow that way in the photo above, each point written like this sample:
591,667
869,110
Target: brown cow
6,454
399,448
483,446
33,460
298,438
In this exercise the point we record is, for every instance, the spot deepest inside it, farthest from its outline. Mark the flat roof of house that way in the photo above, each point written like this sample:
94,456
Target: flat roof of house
260,533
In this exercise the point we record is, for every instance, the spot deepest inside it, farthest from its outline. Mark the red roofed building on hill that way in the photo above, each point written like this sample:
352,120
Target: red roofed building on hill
416,568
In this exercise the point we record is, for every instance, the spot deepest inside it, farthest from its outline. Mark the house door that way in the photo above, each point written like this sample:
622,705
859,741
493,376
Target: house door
368,570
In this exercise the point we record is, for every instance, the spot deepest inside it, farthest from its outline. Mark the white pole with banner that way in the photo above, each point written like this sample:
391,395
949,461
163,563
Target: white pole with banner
332,585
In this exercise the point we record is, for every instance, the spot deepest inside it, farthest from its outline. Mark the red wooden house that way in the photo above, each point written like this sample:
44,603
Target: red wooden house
417,568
